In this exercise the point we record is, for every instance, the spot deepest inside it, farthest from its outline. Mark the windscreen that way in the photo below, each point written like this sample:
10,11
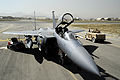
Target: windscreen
65,19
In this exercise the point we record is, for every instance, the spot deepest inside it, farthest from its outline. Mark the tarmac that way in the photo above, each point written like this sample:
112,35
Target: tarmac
30,65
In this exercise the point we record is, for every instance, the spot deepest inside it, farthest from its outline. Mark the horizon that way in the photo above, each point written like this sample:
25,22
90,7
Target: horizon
78,8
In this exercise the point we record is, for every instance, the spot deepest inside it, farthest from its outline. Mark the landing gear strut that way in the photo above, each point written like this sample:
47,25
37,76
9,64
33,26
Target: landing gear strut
61,57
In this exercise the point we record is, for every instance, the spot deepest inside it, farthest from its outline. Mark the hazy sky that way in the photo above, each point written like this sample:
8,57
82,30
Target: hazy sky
80,8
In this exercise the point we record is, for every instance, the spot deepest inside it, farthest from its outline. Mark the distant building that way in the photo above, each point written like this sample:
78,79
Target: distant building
77,18
92,19
1,17
108,19
7,17
104,19
116,19
100,19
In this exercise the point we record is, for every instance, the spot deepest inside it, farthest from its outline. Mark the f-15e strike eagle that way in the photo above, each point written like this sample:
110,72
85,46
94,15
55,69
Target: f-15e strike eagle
65,39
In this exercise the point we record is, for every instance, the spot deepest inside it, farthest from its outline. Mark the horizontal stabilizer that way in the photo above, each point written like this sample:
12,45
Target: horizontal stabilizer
77,31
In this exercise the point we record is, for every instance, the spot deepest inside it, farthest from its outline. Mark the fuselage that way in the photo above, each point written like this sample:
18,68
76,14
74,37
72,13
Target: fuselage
76,52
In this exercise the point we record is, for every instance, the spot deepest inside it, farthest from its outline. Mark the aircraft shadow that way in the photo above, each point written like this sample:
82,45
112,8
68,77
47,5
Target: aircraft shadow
105,42
35,52
91,49
69,65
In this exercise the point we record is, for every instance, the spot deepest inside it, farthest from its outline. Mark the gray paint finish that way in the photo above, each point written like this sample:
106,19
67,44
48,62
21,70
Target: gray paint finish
78,54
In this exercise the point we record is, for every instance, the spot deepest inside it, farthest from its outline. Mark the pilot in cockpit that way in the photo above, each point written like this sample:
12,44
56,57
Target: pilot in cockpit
61,31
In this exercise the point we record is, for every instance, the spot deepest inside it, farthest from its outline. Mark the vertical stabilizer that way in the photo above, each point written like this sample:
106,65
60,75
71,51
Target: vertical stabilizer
54,23
34,20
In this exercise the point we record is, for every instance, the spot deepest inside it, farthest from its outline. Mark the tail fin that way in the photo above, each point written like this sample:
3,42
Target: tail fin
34,20
54,23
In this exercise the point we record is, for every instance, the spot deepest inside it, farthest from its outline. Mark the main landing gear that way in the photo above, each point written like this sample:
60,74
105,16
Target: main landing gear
16,45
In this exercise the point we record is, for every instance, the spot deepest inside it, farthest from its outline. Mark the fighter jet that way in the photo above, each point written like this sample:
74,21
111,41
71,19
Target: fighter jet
65,39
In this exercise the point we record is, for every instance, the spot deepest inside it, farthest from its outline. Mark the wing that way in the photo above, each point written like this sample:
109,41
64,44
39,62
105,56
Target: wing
23,32
78,36
46,32
77,31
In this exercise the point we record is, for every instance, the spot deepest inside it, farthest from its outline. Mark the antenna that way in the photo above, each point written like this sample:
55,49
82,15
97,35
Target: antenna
54,23
34,20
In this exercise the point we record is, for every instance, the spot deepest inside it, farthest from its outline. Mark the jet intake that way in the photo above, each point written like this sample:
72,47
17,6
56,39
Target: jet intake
28,42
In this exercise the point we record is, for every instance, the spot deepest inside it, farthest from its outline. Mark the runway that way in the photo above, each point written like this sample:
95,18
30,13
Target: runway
30,65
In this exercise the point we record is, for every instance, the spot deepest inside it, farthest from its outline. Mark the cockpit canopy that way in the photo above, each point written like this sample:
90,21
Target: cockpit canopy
65,20
69,35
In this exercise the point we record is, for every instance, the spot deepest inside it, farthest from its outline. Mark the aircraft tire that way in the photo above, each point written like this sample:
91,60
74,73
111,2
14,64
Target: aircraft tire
93,40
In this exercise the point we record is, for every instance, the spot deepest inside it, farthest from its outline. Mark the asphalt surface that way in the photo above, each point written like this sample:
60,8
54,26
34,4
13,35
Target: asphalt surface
30,65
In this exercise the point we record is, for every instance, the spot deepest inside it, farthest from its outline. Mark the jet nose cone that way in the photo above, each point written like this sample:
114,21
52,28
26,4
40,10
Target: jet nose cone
83,59
94,70
90,66
98,73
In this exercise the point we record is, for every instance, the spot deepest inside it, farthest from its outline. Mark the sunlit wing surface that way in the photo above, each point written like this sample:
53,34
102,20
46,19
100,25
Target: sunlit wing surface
77,31
47,32
23,33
